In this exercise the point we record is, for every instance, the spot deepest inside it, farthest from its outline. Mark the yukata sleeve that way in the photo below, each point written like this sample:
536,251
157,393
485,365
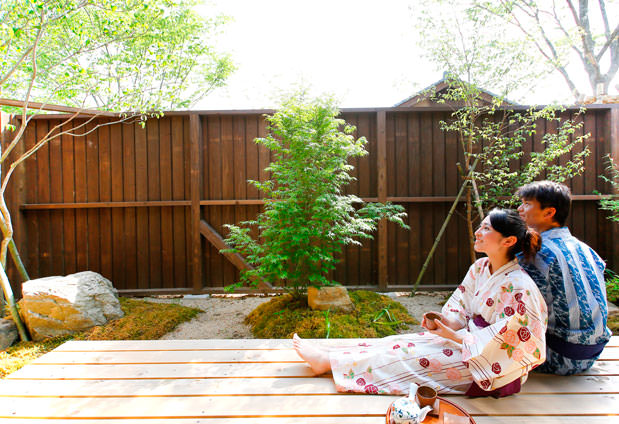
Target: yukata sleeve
457,307
508,349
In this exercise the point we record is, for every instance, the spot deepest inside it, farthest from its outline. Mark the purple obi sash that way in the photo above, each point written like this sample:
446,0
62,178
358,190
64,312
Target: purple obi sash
572,350
475,391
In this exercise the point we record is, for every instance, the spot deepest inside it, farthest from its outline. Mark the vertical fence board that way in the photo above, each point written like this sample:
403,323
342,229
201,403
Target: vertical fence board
105,195
56,217
43,196
178,193
165,193
142,217
119,246
154,193
130,214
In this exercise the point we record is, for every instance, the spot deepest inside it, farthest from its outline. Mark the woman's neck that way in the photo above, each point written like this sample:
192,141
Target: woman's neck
497,261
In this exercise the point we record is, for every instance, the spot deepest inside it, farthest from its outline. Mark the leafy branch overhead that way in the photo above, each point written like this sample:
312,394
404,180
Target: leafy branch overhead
307,220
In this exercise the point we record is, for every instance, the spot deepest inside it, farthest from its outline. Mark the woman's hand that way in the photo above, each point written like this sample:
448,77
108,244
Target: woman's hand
446,332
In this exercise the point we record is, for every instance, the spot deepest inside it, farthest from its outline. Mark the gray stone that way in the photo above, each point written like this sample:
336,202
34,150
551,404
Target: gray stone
613,310
55,306
333,298
8,333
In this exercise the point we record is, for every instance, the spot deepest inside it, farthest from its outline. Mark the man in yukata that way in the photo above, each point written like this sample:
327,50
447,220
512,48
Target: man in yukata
570,276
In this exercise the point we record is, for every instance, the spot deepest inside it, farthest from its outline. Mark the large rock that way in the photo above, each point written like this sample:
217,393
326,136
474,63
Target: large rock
8,333
334,298
55,306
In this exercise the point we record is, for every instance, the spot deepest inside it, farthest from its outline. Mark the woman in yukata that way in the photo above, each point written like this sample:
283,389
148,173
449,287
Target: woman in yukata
491,331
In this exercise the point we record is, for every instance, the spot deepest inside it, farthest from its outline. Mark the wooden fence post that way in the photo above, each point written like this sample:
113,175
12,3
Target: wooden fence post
381,166
613,123
196,251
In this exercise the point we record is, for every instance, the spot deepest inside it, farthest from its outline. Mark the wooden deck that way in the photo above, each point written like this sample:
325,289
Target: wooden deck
257,381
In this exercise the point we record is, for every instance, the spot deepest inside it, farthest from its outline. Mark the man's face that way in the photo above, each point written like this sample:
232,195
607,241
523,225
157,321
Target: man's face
540,219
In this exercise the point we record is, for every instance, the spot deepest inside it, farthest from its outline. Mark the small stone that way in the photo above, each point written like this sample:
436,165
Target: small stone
8,333
333,298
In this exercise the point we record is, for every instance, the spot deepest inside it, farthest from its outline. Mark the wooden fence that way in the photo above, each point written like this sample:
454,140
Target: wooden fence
131,203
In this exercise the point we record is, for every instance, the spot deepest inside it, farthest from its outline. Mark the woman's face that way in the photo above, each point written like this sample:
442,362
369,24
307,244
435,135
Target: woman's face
487,239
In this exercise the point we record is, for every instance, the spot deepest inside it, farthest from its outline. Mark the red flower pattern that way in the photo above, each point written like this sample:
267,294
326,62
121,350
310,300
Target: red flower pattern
361,382
485,384
424,362
518,297
461,288
489,302
509,311
396,346
521,308
503,330
411,344
496,368
371,389
448,352
524,334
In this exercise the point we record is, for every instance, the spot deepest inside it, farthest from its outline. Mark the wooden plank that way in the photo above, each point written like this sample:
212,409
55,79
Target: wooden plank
199,407
160,371
227,187
381,171
56,217
196,251
119,250
129,214
92,193
297,406
68,195
539,419
240,170
366,259
214,182
154,193
537,384
141,194
105,193
81,218
43,194
178,193
167,224
542,404
438,181
229,420
32,224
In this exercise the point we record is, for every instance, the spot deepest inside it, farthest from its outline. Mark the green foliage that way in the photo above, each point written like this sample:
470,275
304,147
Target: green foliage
118,55
374,316
612,286
611,204
307,220
495,134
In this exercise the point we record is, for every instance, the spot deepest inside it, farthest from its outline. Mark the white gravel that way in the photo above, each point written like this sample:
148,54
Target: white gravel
224,314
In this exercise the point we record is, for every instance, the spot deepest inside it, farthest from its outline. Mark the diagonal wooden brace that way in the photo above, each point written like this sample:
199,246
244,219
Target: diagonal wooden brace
237,260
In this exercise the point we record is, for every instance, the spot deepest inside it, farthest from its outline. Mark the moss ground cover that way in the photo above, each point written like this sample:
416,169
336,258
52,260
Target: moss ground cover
142,321
374,316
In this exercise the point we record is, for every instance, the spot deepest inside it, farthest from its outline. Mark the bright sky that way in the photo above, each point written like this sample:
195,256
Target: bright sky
362,51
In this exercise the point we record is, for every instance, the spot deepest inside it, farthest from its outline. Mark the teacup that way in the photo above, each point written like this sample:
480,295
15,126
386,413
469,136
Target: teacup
430,318
426,396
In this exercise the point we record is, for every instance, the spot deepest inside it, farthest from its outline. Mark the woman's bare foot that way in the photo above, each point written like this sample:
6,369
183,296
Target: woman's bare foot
316,357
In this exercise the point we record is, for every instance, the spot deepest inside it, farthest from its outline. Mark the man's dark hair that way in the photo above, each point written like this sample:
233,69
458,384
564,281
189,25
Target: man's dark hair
549,195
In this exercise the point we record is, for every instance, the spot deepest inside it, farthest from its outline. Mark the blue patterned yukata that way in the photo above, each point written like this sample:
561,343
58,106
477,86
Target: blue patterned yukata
570,276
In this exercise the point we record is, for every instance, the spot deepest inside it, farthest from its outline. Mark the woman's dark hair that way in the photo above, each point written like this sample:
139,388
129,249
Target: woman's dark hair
508,223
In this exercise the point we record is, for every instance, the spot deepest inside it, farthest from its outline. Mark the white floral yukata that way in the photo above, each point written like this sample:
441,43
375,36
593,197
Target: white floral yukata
504,315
